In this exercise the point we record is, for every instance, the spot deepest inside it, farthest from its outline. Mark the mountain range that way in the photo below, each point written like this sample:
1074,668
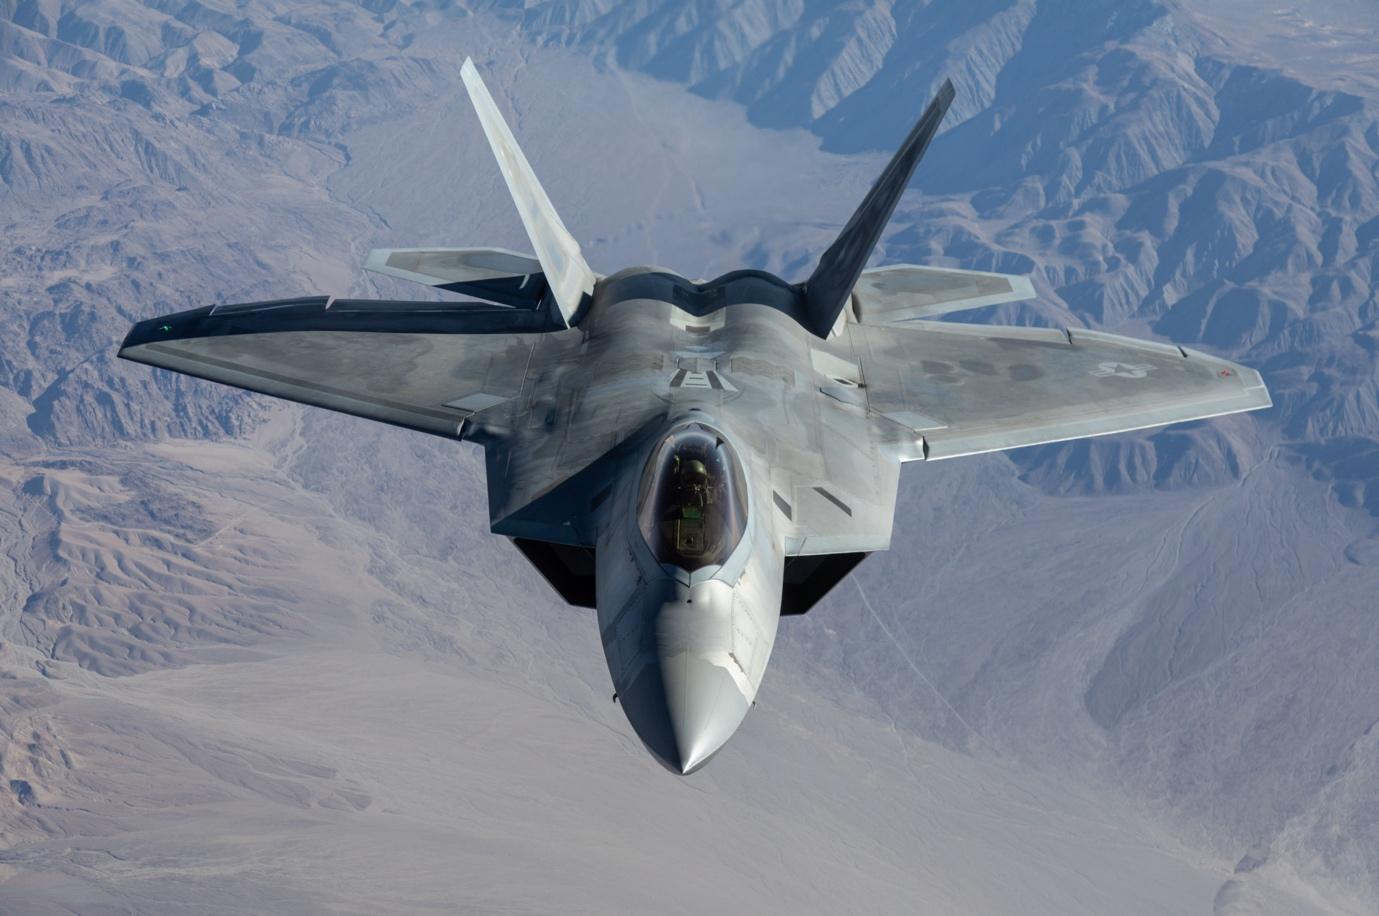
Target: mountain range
262,658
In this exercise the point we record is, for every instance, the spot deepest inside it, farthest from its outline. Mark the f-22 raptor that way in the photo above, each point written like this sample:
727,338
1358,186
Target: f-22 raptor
694,459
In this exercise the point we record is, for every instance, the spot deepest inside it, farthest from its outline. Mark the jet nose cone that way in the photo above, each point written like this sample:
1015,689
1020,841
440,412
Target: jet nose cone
644,704
684,710
683,702
704,706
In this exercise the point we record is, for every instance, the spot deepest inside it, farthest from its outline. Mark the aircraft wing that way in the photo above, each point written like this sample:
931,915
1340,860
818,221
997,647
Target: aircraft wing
967,389
421,365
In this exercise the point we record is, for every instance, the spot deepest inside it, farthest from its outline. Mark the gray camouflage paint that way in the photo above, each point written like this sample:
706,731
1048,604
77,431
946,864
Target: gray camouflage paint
568,395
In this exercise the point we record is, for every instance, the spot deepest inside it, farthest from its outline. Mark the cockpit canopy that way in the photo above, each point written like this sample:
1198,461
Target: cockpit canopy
692,506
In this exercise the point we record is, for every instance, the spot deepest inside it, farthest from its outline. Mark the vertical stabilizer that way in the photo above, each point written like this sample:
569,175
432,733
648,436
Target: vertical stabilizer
827,290
569,276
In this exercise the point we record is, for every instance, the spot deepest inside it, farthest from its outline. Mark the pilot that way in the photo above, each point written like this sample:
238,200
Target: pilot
692,486
690,479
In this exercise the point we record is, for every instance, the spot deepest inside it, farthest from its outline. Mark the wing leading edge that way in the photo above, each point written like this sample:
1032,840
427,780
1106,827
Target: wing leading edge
421,365
967,389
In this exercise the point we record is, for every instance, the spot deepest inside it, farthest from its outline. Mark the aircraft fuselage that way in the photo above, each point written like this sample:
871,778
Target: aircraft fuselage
687,622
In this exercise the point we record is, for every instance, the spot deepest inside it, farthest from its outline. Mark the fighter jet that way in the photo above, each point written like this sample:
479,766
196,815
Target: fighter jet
694,459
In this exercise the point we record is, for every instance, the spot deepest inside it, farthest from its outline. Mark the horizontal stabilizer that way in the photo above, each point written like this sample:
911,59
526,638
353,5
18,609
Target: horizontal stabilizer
567,273
888,295
489,273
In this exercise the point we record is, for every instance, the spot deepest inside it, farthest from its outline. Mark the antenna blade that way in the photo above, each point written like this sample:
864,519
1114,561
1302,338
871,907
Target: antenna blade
827,290
569,277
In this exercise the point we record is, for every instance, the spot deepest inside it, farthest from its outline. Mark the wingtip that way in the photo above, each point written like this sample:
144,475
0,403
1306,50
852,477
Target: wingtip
141,332
1258,390
377,259
1023,288
469,74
